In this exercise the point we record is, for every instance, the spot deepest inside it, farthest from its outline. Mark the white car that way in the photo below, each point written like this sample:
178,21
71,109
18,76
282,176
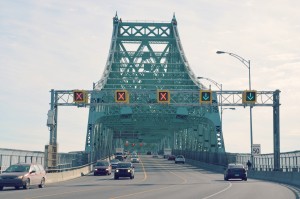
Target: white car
135,159
180,159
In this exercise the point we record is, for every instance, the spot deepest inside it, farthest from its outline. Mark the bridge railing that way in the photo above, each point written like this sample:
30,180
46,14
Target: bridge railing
65,160
289,161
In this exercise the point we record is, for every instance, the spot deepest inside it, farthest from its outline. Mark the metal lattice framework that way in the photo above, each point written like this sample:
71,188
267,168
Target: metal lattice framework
144,58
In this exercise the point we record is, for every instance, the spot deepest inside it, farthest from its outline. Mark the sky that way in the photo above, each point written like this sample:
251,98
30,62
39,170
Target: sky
64,44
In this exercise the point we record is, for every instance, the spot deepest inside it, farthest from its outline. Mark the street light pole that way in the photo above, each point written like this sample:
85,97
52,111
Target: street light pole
219,86
247,64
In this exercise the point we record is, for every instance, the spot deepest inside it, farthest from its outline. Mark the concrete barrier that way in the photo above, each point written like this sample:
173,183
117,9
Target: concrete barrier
68,175
291,178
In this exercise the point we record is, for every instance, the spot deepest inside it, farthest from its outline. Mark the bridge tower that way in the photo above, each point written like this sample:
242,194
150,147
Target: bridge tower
144,58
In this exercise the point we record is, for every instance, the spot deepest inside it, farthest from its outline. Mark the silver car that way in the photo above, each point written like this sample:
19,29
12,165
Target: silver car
180,159
23,175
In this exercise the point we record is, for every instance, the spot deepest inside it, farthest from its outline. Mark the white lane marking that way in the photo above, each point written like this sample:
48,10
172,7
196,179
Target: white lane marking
219,191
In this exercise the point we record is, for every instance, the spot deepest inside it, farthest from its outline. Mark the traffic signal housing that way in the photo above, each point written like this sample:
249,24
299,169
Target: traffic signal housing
249,97
80,96
121,96
206,96
163,96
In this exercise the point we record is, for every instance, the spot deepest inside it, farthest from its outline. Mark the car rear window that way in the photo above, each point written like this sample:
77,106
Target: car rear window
231,166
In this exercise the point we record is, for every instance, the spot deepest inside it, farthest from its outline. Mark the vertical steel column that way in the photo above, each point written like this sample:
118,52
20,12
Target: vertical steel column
53,129
276,130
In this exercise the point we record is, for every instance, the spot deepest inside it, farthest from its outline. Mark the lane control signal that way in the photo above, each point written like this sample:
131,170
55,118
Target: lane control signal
121,96
163,96
249,97
80,96
206,96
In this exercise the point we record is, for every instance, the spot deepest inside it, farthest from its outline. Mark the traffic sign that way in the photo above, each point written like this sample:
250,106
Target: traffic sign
249,96
206,96
121,96
256,149
163,96
80,96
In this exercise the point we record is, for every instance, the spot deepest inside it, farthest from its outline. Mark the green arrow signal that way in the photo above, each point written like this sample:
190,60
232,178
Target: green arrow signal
250,97
206,96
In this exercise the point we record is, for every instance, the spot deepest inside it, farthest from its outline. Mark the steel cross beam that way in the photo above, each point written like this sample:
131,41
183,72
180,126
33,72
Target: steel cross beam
178,98
146,97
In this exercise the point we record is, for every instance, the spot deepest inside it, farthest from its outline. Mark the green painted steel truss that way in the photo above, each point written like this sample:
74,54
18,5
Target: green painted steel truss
144,58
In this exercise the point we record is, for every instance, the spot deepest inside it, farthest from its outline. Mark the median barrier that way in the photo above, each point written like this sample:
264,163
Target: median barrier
70,174
67,175
292,178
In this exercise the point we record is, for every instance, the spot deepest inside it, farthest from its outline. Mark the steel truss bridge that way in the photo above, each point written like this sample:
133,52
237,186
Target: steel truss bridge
143,58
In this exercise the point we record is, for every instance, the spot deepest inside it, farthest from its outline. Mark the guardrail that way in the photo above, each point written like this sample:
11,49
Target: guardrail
13,156
58,175
292,178
289,161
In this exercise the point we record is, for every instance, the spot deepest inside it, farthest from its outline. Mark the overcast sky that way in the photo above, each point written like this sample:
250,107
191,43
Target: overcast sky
63,44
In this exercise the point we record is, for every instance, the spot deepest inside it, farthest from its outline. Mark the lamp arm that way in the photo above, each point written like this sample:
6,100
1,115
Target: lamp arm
244,61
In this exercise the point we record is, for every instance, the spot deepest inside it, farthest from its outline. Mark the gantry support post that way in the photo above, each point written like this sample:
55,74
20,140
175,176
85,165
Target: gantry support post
51,149
276,130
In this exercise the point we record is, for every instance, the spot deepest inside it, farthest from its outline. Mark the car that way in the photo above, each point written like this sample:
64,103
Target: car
180,159
124,169
166,156
134,159
235,171
23,175
102,168
114,163
171,157
155,155
119,157
148,153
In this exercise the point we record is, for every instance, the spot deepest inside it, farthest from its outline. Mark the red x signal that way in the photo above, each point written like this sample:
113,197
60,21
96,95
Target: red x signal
163,96
80,96
121,96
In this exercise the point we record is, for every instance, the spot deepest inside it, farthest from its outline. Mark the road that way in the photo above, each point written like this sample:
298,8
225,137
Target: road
156,179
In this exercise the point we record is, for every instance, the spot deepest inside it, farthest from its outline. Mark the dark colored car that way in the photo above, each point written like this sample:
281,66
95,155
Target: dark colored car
119,157
102,168
171,157
114,163
148,152
235,171
124,169
23,175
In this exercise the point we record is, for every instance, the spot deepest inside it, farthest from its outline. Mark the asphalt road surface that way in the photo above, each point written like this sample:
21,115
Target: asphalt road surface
156,178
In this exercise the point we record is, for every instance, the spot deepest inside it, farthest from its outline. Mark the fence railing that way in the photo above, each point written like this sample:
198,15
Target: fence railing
65,160
289,161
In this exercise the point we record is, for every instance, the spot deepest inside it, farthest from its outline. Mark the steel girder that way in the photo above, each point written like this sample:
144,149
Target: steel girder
144,58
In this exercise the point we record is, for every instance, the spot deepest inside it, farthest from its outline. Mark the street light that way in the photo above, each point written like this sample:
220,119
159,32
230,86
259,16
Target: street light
247,64
219,86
